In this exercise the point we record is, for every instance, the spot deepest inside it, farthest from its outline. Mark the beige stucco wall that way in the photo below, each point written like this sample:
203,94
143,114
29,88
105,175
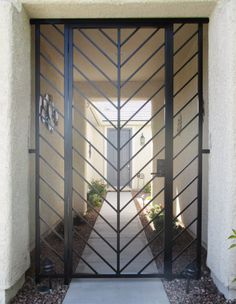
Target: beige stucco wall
14,129
222,137
15,42
118,8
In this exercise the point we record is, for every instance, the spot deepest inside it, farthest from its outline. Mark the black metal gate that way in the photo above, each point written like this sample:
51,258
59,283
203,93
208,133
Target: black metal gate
89,70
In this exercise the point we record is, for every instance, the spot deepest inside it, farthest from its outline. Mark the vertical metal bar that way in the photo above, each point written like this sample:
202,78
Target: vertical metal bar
68,74
168,150
200,132
118,147
37,151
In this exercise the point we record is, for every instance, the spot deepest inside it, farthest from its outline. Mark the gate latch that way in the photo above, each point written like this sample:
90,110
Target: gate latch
160,168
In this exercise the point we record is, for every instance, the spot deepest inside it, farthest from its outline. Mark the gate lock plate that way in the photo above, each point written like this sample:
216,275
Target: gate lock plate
161,168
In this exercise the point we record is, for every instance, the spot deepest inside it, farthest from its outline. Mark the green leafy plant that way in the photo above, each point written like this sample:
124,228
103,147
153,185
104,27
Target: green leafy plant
147,188
156,213
233,237
97,190
95,199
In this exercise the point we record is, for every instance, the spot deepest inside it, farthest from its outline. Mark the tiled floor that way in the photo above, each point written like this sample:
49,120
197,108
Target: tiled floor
111,236
114,291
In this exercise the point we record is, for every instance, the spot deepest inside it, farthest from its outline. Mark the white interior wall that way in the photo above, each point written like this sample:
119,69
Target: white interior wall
95,159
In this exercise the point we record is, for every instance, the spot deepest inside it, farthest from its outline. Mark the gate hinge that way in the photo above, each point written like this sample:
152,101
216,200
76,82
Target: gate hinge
206,151
32,151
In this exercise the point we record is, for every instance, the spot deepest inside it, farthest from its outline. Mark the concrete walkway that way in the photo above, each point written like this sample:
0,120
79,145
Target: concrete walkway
139,291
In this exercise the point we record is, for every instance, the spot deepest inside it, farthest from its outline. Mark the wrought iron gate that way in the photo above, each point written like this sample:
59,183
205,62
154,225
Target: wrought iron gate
147,63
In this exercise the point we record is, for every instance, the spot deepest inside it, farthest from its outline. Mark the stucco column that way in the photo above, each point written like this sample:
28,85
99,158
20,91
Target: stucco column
222,159
14,113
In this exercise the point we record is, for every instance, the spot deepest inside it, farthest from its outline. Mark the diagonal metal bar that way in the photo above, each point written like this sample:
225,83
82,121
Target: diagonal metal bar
139,109
143,105
85,262
186,248
91,103
99,132
50,207
182,211
188,164
128,38
52,229
107,36
163,65
58,29
52,85
51,64
95,65
187,124
78,173
140,231
94,86
179,28
51,248
153,259
143,208
185,43
80,133
184,230
144,63
95,230
51,44
143,167
59,195
145,82
145,145
186,63
51,146
186,104
91,206
186,83
140,251
102,176
97,47
190,183
136,194
95,251
51,167
139,47
54,129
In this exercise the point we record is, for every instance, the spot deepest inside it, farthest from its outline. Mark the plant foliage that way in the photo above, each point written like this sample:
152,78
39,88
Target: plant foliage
233,237
97,190
156,213
147,188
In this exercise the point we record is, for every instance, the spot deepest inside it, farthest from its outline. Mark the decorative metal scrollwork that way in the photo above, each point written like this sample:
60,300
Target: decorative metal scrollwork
48,113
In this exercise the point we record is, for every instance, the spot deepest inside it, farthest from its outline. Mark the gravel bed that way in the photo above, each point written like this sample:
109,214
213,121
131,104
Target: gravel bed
29,294
201,291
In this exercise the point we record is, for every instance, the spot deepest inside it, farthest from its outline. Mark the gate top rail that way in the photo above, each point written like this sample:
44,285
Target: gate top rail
121,22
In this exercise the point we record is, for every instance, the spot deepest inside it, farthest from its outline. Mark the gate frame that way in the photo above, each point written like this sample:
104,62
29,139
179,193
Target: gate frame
69,25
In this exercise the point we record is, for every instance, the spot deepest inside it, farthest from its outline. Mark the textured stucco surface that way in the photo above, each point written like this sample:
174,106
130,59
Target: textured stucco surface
118,8
222,162
14,117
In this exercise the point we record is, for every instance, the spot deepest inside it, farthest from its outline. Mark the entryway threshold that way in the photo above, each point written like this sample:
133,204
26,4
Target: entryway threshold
116,291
